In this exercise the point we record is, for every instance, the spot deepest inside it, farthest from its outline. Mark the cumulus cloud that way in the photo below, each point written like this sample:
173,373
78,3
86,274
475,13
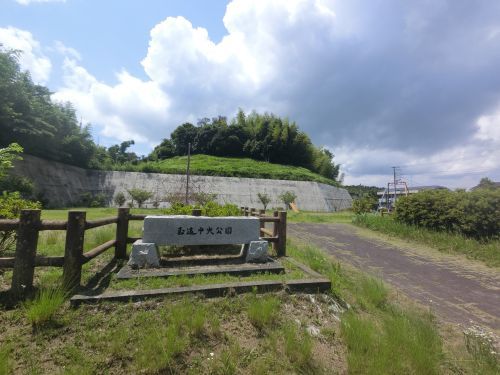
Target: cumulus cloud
381,83
32,57
123,111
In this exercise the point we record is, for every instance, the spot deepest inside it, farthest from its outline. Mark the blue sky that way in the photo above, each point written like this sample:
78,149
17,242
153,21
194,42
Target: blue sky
380,83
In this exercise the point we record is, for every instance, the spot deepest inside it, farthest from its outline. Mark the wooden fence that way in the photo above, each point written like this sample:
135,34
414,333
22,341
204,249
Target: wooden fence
277,236
29,225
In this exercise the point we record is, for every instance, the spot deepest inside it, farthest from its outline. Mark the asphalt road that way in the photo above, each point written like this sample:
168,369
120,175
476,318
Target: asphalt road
456,289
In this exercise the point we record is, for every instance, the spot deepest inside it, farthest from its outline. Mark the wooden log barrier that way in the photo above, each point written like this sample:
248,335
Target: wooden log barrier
73,252
122,233
24,264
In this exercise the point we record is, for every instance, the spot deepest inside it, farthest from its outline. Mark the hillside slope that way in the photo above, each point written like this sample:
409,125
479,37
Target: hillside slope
205,165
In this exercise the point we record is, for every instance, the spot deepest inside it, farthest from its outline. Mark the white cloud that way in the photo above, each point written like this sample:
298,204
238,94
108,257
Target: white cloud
123,111
381,83
67,51
32,57
488,127
28,2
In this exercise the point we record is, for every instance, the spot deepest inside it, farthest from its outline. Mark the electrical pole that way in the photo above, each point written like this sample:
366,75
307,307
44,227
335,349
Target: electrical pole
187,173
395,189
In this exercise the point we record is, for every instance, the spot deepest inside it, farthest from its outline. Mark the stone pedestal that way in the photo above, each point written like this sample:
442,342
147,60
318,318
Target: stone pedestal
257,252
144,255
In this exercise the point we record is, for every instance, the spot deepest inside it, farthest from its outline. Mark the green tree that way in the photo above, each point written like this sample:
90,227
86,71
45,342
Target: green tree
140,196
264,199
30,118
164,150
486,183
7,156
182,135
287,197
120,199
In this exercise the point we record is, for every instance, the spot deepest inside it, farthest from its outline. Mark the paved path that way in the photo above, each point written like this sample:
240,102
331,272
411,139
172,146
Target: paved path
458,291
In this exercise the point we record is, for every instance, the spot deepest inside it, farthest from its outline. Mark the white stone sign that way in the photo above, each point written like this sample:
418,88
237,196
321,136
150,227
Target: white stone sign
201,230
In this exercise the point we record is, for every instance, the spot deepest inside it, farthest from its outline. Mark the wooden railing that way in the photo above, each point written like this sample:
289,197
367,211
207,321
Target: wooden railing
277,236
29,225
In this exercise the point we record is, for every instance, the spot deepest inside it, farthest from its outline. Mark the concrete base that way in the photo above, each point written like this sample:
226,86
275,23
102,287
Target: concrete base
144,255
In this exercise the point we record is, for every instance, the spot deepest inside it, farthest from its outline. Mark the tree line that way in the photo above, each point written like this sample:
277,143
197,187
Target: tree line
51,130
257,136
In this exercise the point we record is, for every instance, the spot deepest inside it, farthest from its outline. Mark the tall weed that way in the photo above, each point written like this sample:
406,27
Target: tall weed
42,309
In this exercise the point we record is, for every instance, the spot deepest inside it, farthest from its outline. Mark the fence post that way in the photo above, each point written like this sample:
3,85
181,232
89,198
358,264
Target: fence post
196,212
24,263
122,233
281,248
262,213
275,232
75,234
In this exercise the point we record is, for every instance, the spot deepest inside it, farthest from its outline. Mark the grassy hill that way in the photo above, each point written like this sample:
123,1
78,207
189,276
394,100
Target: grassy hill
207,165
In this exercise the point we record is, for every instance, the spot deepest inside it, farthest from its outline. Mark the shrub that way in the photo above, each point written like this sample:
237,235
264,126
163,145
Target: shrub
201,198
363,205
474,214
11,205
88,199
140,196
287,197
12,183
120,199
264,199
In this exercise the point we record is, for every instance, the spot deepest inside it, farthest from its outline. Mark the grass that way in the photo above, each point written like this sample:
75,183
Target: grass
379,334
207,165
263,312
242,334
487,251
320,217
42,309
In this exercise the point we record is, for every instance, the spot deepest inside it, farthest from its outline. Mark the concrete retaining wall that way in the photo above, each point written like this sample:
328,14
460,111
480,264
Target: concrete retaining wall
62,185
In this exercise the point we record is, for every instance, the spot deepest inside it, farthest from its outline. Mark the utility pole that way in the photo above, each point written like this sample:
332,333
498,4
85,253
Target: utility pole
187,173
395,189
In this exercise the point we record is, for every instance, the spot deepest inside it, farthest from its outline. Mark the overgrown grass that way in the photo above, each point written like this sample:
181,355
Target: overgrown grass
320,217
263,311
298,348
397,342
207,165
488,251
381,336
42,309
5,363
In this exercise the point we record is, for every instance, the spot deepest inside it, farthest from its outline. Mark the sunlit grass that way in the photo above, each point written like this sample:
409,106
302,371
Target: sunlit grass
207,165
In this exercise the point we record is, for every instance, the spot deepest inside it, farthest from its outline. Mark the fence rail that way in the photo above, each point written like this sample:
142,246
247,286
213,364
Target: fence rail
29,225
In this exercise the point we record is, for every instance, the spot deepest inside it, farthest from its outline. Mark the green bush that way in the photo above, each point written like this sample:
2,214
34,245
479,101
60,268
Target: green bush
363,205
91,200
11,205
211,209
120,199
474,214
287,197
139,195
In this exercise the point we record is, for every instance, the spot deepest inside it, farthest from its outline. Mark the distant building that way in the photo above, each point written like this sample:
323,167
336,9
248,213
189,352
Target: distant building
386,198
